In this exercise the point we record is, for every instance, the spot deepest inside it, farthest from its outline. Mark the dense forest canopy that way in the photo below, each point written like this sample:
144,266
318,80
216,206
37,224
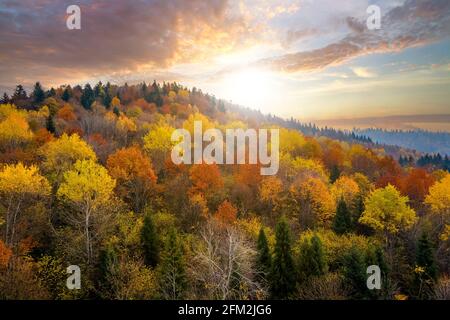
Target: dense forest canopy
86,179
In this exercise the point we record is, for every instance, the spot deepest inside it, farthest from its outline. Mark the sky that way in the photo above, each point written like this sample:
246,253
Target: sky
309,59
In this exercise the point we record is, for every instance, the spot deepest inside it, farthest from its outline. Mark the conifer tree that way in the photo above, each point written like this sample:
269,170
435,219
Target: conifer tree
173,279
342,222
150,242
108,261
355,276
283,271
264,260
312,260
107,100
5,98
38,93
87,97
19,93
425,257
66,94
50,124
334,174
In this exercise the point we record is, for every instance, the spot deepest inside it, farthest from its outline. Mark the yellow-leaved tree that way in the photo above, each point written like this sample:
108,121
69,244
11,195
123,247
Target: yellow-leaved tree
61,154
158,143
438,199
388,212
20,187
313,202
346,188
88,188
14,128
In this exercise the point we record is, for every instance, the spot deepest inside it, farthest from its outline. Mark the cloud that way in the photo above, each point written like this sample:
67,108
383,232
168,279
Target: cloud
363,72
415,23
355,25
115,36
299,34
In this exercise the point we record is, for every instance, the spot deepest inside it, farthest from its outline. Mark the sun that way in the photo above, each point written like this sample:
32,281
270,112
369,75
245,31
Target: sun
249,87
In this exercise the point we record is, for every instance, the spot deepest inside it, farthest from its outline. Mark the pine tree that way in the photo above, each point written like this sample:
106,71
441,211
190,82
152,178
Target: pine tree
283,271
264,260
107,100
425,270
87,97
150,242
425,257
50,124
5,98
67,94
342,222
334,174
173,279
355,272
19,93
51,92
38,93
99,92
108,261
312,260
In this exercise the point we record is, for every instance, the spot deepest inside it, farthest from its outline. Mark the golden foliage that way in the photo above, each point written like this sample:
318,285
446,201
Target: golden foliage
387,210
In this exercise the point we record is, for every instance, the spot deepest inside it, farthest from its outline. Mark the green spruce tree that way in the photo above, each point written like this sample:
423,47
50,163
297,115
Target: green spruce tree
335,173
426,270
67,93
150,242
38,93
312,261
342,222
283,272
50,124
87,97
173,280
355,276
264,259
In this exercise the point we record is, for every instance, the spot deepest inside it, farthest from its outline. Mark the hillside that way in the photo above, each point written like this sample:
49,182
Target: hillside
86,179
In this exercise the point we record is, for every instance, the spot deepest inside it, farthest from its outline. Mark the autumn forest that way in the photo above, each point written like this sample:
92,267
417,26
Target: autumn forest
86,179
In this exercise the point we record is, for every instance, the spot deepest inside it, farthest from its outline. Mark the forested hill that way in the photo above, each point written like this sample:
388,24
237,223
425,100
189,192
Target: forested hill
421,140
87,179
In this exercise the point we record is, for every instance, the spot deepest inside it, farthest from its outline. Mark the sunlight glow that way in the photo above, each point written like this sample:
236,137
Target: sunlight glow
249,87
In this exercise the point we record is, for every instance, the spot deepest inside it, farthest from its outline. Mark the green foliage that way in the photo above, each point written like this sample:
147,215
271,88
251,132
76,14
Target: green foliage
67,94
150,241
87,97
283,271
172,275
342,222
334,173
312,260
50,124
354,271
38,93
108,261
425,270
264,259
